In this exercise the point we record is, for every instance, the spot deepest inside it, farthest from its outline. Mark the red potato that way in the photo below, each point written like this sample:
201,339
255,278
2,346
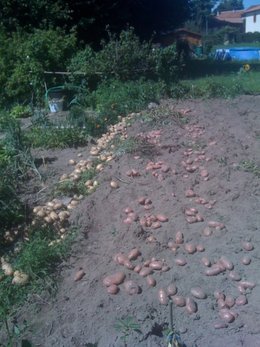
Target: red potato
204,173
226,263
180,261
190,212
79,275
150,281
199,218
151,239
133,216
131,287
246,260
138,268
190,193
205,261
162,296
134,254
113,289
227,316
191,219
128,210
200,248
165,268
162,218
179,238
213,271
241,300
219,295
129,265
179,300
191,305
147,262
165,168
141,200
247,284
171,244
234,276
247,246
190,248
171,289
156,265
148,201
145,271
206,231
198,293
221,303
116,278
220,325
120,258
229,301
156,225
128,220
241,289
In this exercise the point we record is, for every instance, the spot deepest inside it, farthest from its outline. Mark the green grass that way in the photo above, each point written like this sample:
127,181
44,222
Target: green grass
37,259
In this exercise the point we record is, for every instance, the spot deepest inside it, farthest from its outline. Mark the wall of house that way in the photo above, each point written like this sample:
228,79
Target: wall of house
252,22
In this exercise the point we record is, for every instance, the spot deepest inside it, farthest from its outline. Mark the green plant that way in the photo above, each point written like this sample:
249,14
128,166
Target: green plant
126,326
38,259
21,111
250,166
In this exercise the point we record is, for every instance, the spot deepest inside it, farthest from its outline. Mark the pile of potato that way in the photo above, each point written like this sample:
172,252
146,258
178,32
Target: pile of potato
19,277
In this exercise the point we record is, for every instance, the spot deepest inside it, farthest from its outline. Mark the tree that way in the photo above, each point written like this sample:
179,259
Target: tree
229,5
201,10
90,18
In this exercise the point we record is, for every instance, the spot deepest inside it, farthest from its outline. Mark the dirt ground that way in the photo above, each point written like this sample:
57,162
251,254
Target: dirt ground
204,156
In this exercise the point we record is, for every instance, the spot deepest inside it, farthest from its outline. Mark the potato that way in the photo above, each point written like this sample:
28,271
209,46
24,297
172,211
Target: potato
200,248
227,316
179,238
162,218
229,301
134,254
129,265
131,287
20,278
114,184
165,268
206,231
162,296
145,271
156,225
247,284
116,278
171,289
198,293
7,268
120,258
181,261
220,325
190,248
138,268
113,289
246,260
213,271
79,275
191,305
234,276
190,193
241,300
226,263
156,265
205,261
247,246
150,281
179,300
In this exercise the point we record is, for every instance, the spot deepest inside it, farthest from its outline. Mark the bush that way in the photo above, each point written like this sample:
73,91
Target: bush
24,58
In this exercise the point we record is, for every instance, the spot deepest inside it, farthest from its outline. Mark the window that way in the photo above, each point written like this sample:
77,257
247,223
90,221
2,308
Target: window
254,18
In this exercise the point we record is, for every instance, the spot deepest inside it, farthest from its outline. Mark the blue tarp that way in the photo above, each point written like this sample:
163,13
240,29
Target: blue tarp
238,53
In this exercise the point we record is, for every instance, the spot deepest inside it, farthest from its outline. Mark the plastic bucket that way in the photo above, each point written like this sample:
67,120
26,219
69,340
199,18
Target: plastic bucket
55,97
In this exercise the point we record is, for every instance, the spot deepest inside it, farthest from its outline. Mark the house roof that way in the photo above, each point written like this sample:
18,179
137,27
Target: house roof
234,17
252,9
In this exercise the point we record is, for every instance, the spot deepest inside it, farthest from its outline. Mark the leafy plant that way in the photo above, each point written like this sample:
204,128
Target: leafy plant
21,111
126,326
250,166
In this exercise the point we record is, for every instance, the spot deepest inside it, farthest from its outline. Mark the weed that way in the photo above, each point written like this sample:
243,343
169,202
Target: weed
126,326
37,259
250,166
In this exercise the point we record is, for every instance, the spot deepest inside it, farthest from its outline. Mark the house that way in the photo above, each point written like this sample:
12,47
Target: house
251,17
182,34
227,18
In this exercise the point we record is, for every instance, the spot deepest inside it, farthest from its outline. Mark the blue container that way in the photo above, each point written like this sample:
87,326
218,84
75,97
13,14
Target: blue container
238,53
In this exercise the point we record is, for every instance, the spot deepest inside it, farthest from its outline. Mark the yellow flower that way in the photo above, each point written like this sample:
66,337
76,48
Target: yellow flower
246,67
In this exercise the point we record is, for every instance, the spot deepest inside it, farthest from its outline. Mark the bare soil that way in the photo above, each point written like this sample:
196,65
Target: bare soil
219,136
